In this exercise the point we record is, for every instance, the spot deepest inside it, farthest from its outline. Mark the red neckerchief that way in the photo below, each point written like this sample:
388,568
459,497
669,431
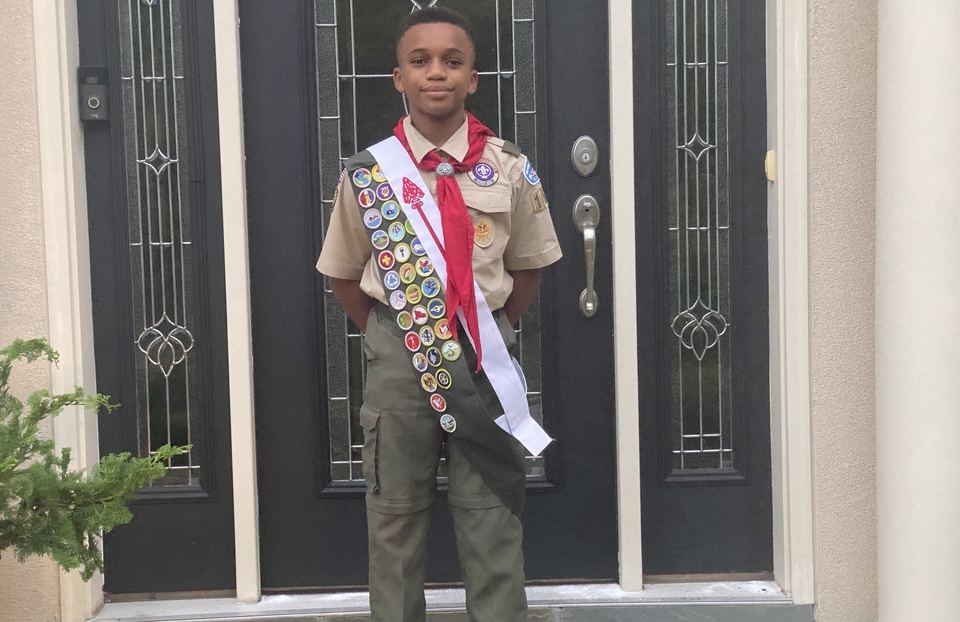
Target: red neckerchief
457,226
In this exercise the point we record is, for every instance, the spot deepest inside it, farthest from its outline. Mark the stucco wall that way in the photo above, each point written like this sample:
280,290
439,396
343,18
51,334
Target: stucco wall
28,592
842,109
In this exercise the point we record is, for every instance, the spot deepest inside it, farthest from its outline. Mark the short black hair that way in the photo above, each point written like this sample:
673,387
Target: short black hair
437,15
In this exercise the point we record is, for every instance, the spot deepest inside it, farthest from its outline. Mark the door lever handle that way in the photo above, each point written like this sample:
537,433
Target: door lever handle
586,215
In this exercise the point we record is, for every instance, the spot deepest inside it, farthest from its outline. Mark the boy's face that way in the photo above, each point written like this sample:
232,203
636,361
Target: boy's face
435,70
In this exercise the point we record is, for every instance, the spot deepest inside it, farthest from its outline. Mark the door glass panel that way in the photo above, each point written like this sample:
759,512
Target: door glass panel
162,255
699,235
357,107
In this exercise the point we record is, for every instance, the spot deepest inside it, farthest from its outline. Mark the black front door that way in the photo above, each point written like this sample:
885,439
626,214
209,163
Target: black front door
317,89
702,305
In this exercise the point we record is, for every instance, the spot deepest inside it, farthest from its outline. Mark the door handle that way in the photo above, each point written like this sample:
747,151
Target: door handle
586,215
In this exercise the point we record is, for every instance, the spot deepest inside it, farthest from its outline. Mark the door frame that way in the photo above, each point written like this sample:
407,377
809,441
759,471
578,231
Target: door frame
70,307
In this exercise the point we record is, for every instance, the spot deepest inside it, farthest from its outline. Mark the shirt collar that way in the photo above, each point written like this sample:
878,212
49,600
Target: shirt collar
456,146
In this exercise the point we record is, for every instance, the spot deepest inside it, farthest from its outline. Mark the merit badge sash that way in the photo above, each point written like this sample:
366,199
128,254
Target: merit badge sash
396,205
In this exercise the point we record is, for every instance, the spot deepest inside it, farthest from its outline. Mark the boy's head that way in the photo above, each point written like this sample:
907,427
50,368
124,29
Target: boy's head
435,57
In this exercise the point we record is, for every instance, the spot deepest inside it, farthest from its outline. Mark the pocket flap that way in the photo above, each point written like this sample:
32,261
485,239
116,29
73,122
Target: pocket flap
491,199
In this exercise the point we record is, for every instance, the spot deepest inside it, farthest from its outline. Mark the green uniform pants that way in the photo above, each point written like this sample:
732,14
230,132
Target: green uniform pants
402,446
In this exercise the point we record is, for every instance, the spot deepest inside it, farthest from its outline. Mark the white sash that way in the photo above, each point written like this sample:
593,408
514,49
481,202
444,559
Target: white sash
501,369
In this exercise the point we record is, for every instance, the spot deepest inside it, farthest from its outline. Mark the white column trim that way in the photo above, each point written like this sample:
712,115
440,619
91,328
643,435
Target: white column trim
67,254
790,313
625,285
237,281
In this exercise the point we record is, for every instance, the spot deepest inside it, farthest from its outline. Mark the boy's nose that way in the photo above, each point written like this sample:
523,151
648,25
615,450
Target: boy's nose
436,70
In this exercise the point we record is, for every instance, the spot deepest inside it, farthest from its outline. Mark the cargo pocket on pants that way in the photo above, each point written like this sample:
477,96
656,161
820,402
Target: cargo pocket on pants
370,422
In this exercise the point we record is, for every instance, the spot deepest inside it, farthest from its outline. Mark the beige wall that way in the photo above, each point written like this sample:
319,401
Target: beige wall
29,591
842,113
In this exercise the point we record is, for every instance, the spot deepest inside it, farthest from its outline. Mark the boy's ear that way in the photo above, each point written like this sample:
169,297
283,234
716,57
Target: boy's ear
474,79
397,84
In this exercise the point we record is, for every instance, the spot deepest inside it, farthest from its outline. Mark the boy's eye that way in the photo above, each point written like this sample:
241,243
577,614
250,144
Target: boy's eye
418,61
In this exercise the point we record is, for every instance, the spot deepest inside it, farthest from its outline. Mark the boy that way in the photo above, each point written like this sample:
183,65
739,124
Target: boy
419,220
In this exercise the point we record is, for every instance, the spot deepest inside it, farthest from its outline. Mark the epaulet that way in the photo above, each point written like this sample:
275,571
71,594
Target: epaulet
509,147
364,159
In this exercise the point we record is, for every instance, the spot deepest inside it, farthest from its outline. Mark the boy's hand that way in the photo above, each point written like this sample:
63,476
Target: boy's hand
526,286
353,300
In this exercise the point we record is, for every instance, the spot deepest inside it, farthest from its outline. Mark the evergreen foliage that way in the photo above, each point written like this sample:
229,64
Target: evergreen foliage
45,508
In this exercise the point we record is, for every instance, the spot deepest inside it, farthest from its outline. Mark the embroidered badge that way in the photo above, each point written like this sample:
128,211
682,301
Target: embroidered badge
424,266
372,219
448,423
407,273
417,247
396,232
419,315
429,383
384,191
530,173
412,194
434,357
377,174
484,173
386,260
451,350
412,341
367,198
436,308
427,336
379,239
438,403
410,229
430,287
361,178
398,301
402,253
391,280
483,231
413,294
443,379
405,321
442,329
420,362
390,210
539,201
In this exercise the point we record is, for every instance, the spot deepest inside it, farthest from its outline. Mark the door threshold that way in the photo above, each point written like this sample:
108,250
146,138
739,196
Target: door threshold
545,598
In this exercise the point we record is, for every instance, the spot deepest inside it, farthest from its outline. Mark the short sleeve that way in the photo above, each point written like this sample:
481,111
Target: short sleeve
346,247
533,240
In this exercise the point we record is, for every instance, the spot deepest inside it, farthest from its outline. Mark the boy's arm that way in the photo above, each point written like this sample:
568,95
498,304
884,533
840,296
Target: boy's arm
353,300
526,286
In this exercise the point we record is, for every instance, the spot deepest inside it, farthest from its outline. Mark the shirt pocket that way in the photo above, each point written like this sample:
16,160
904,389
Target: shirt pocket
490,210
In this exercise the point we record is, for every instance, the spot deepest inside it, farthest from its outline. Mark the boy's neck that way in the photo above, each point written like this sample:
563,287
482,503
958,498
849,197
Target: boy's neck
438,131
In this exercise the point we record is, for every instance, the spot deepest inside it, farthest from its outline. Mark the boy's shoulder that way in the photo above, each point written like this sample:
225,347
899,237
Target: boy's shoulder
505,146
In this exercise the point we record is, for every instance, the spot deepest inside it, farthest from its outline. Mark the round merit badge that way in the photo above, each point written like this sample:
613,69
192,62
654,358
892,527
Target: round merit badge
429,383
424,266
417,247
419,315
443,379
439,404
397,300
384,191
442,328
420,362
391,280
405,320
484,173
367,198
377,174
530,173
426,336
361,178
407,273
402,253
390,210
412,341
396,231
451,350
372,219
436,309
448,423
379,239
386,260
431,286
413,294
410,229
483,231
434,357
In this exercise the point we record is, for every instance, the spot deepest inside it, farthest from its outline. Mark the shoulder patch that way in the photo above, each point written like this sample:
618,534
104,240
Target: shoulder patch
509,147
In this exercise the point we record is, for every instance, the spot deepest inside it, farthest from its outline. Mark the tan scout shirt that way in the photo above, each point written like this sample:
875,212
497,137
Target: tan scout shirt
521,237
